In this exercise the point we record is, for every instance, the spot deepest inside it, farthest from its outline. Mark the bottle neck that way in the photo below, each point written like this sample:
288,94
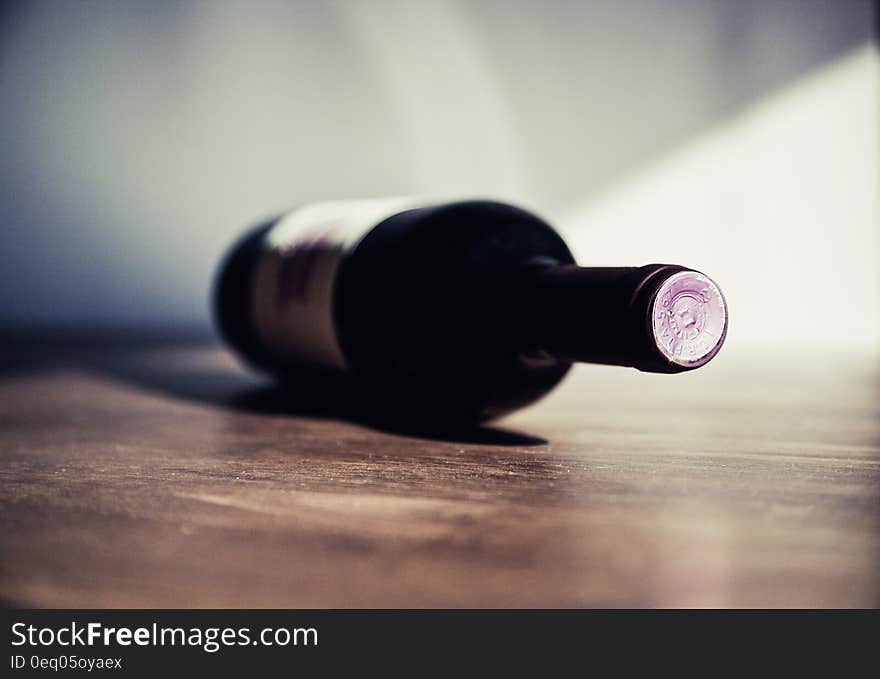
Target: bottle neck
608,315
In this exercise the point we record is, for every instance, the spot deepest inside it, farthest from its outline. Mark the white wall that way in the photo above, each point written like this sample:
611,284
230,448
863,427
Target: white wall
137,139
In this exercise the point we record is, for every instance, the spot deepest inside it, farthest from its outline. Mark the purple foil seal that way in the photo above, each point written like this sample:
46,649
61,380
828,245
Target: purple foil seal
689,319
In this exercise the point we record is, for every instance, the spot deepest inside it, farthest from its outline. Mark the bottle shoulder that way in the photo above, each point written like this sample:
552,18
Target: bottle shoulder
428,298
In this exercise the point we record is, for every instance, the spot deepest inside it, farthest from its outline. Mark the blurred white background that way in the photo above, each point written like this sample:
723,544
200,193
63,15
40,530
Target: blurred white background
139,139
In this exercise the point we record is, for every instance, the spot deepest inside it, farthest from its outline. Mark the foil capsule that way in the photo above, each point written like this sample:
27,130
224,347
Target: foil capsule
689,319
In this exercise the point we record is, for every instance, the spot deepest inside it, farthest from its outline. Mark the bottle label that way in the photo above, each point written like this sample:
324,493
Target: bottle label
295,276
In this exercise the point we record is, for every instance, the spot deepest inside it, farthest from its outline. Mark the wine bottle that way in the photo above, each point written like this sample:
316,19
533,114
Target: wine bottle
466,309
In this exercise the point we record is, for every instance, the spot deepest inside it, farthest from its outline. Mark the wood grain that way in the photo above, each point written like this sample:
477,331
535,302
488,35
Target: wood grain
167,476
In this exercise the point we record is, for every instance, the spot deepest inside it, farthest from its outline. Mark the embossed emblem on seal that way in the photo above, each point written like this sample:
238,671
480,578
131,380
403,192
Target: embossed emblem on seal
689,319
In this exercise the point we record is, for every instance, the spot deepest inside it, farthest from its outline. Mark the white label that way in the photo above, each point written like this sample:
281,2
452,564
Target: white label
295,276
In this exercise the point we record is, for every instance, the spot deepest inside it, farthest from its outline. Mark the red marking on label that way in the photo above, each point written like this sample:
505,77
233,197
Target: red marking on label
296,270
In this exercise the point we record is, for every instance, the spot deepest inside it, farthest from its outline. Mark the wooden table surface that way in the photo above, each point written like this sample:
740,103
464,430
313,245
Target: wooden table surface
139,475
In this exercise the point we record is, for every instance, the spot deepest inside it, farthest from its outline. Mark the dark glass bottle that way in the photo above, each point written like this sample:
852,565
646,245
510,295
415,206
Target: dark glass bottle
464,310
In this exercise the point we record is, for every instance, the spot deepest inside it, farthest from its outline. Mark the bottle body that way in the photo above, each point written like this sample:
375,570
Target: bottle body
464,310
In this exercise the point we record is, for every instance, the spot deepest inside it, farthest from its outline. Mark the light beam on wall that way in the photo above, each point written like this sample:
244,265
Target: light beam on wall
779,205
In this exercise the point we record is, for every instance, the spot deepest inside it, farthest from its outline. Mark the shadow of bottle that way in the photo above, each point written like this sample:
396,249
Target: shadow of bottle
187,367
301,392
